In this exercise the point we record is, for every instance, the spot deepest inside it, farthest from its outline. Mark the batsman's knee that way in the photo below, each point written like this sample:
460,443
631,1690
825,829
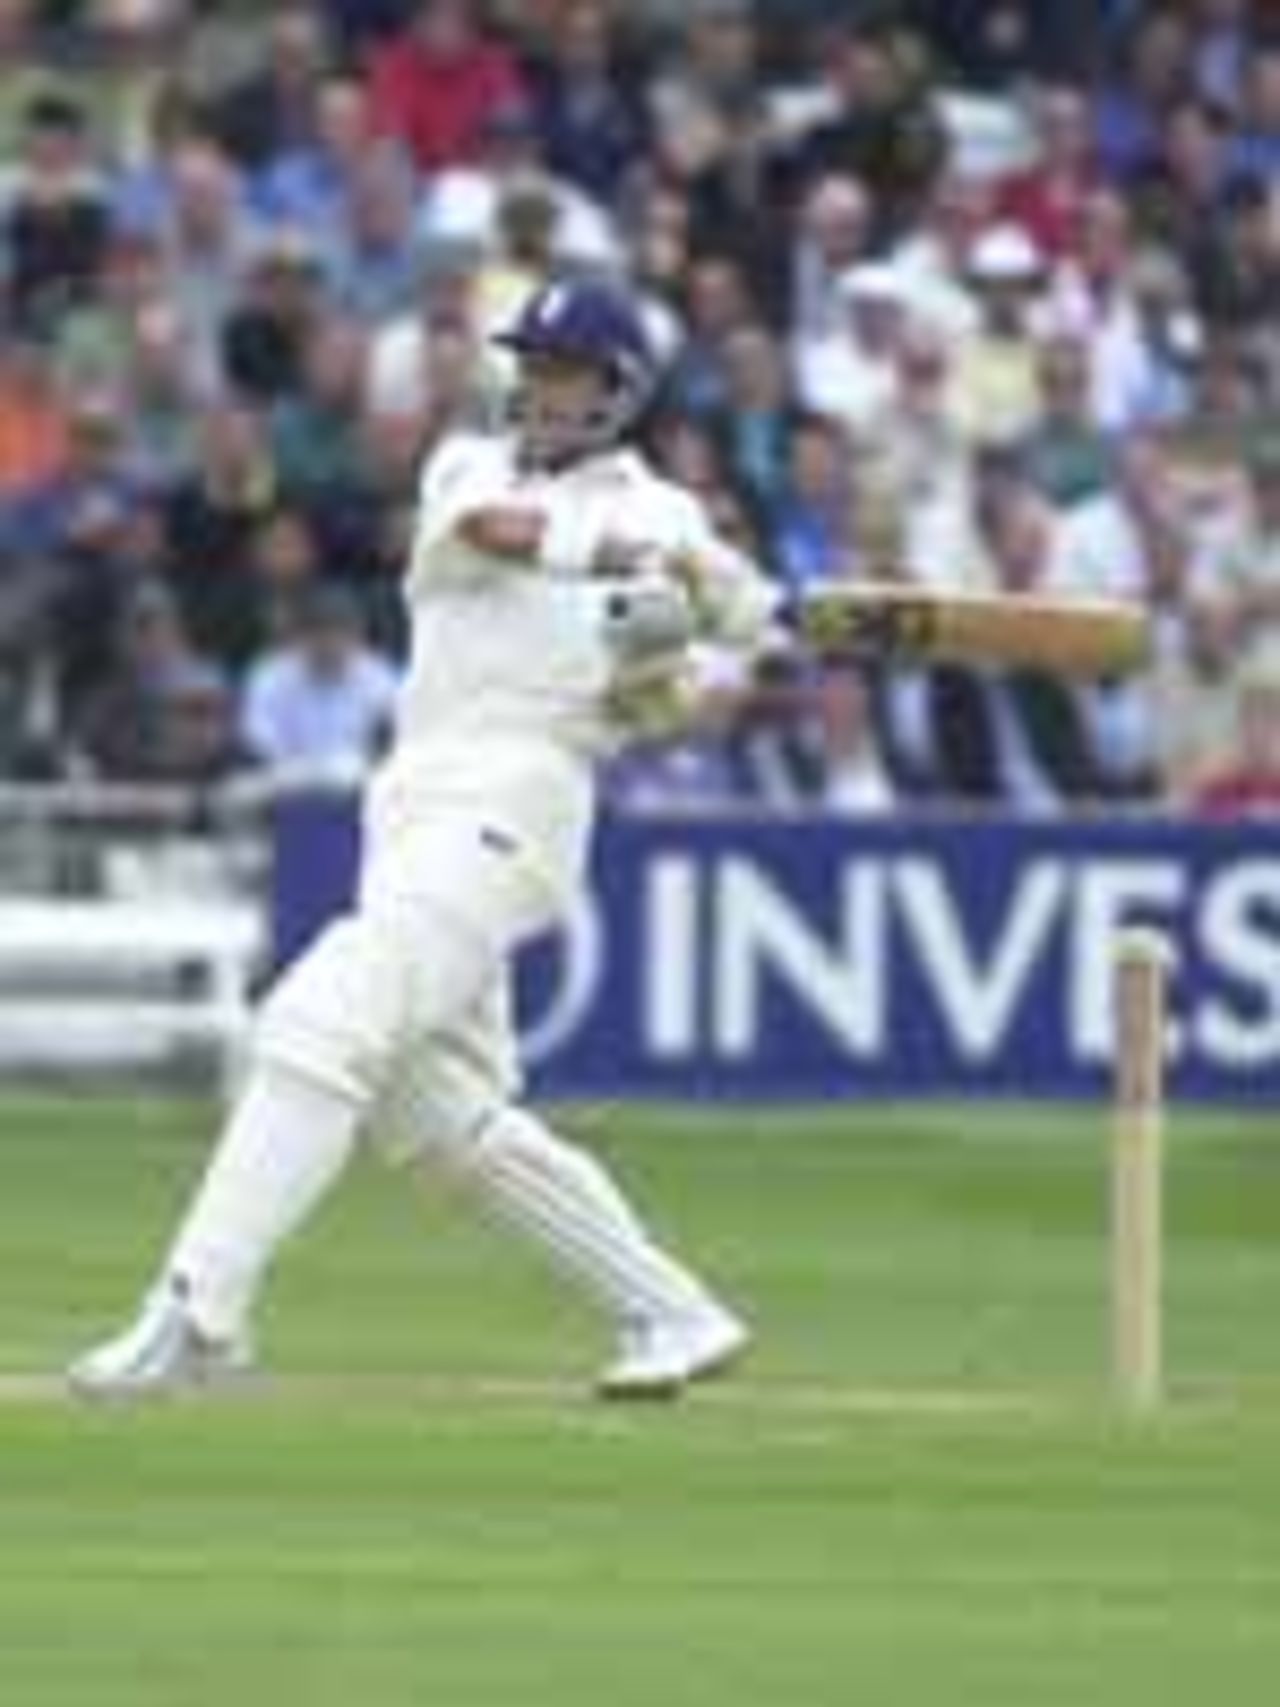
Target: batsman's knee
374,994
436,1114
336,1013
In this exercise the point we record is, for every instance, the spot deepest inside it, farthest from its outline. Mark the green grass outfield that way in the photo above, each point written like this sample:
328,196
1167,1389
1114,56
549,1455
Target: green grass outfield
916,1492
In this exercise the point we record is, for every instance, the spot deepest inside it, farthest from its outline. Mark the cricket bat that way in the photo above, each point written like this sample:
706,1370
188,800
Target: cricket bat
1085,638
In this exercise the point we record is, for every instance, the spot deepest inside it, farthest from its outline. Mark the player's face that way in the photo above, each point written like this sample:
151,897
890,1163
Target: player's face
559,404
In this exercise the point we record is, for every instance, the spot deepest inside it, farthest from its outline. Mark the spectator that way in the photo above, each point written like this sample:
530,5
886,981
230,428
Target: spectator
775,745
732,518
376,258
849,373
94,338
917,456
756,422
1130,540
855,780
24,76
1225,407
1241,571
1048,198
1255,150
211,519
1172,336
716,300
33,424
1235,259
998,44
1246,779
1179,185
163,713
381,528
1064,451
324,701
1225,48
284,568
1153,70
833,231
97,473
136,53
401,351
114,547
995,374
73,545
265,333
436,84
934,258
1134,541
1094,296
735,209
524,254
882,127
141,186
307,186
709,80
464,201
207,245
165,397
315,431
458,397
592,127
274,108
1020,738
656,231
688,451
813,534
55,217
360,25
719,143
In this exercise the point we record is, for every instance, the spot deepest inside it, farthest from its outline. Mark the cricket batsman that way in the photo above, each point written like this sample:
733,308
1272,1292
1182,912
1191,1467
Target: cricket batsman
555,581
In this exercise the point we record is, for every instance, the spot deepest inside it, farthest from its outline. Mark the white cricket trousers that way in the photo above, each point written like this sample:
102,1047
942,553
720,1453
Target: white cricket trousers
396,1022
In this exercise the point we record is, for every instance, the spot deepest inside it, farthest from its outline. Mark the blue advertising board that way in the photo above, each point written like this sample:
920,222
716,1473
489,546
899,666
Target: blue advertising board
816,958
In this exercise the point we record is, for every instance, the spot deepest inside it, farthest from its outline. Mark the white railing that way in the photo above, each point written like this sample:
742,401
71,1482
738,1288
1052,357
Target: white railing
132,926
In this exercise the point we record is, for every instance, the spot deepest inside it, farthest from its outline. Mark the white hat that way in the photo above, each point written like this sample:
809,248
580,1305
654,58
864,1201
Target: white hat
1004,252
873,281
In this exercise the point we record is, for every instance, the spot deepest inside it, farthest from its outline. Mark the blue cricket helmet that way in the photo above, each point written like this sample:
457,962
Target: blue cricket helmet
588,321
584,320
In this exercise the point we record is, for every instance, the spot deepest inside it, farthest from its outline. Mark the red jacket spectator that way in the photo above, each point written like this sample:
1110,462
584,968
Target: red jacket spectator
1048,199
438,83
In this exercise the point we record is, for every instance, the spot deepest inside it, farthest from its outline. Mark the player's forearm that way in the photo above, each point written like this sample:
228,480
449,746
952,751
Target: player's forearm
510,532
562,538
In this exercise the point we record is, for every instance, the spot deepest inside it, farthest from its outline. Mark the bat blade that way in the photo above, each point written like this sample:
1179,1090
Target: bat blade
1074,637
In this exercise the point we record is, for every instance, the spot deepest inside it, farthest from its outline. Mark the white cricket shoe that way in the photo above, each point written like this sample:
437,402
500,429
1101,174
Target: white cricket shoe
162,1351
659,1355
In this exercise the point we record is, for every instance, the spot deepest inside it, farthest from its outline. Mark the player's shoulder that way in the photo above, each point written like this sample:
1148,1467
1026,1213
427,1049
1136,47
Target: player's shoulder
462,456
645,481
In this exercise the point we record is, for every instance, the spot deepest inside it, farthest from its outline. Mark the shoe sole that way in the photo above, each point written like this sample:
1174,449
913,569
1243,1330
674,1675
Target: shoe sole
721,1362
158,1392
711,1368
193,1379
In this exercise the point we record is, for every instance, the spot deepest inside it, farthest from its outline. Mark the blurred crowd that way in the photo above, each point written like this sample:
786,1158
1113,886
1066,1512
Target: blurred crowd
976,294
